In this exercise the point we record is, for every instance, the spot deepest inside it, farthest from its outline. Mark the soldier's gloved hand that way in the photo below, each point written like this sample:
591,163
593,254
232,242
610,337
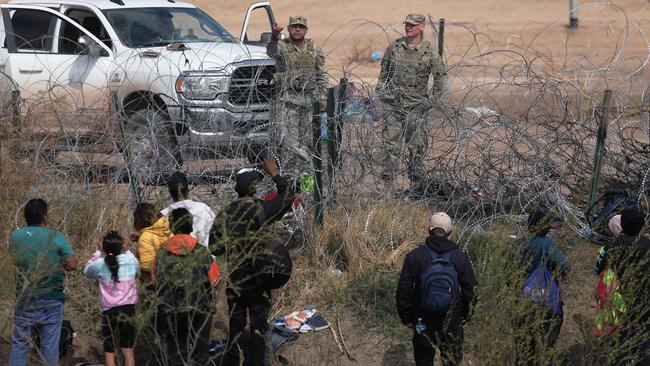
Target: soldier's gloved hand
275,31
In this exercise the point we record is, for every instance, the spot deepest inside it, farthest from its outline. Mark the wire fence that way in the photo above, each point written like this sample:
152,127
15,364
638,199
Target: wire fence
516,127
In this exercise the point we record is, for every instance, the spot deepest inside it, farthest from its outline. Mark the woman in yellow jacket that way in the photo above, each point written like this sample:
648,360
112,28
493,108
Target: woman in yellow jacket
153,229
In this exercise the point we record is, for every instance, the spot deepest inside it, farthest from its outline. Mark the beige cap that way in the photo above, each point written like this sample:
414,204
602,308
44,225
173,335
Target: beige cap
414,19
298,19
441,220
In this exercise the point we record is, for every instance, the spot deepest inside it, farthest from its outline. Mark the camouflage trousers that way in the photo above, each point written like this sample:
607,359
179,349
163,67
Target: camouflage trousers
404,128
295,134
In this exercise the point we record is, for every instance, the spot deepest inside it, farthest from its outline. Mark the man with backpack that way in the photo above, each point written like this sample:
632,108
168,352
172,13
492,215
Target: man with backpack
434,294
242,234
539,315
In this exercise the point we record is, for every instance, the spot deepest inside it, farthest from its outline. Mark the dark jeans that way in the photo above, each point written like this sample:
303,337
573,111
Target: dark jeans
255,304
186,337
450,344
535,334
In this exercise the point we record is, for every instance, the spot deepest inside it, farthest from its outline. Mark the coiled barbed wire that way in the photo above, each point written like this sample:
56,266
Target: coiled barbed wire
517,124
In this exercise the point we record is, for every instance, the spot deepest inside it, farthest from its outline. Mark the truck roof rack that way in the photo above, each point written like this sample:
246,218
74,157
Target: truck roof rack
118,2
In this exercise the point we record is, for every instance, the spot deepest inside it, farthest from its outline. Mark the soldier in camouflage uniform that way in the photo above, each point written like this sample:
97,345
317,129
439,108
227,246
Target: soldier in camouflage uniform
403,88
301,80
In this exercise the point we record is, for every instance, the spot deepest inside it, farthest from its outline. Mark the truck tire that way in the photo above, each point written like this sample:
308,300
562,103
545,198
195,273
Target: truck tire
152,147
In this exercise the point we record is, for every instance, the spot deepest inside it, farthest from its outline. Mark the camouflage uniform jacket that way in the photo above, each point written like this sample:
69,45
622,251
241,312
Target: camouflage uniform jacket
300,71
405,71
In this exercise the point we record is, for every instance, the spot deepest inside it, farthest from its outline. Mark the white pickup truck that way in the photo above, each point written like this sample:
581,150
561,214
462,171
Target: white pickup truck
183,82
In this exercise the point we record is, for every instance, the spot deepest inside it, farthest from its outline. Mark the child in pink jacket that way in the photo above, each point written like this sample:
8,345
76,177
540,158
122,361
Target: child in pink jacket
117,273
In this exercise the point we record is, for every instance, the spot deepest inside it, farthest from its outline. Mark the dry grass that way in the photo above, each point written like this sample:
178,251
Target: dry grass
365,239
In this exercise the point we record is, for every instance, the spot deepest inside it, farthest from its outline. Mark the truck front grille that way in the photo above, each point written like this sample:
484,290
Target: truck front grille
252,85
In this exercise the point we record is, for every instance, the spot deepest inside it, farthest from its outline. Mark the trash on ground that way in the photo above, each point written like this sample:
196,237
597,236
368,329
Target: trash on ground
302,321
375,56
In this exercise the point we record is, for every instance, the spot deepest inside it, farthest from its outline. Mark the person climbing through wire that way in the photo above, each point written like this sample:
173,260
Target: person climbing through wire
239,233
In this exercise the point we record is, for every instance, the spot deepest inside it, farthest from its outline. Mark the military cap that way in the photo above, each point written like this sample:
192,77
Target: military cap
414,19
298,19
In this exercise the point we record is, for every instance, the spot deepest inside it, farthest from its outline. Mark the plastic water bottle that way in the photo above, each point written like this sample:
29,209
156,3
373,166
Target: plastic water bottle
420,327
306,183
324,133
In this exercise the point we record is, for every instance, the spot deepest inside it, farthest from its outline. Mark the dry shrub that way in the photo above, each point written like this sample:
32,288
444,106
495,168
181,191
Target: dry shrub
366,239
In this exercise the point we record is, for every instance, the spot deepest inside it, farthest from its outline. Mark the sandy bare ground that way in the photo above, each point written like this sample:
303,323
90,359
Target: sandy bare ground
535,28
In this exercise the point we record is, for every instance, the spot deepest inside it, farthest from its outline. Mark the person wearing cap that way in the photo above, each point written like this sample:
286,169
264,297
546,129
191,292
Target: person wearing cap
238,233
403,87
443,331
301,80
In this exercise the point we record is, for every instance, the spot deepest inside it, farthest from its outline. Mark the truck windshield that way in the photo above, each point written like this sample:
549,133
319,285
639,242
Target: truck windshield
156,27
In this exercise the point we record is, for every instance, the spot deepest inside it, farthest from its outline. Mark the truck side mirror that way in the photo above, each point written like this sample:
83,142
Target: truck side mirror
265,37
89,47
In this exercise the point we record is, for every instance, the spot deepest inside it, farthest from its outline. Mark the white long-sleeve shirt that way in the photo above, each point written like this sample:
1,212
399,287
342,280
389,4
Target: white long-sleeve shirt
202,218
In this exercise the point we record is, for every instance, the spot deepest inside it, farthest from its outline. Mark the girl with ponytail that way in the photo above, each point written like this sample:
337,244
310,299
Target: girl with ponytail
117,270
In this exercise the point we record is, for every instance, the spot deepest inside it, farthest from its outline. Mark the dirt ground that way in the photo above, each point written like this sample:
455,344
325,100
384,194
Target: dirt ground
539,28
349,31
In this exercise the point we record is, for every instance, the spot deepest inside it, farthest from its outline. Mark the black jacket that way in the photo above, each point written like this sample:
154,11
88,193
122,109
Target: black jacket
236,233
408,289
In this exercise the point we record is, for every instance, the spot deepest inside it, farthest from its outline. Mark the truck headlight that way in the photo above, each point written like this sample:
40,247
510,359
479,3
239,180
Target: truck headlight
202,87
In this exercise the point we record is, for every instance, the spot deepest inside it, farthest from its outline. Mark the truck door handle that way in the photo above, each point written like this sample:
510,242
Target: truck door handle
30,71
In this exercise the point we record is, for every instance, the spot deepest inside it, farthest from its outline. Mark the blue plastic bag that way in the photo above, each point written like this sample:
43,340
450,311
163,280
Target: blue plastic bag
324,132
542,289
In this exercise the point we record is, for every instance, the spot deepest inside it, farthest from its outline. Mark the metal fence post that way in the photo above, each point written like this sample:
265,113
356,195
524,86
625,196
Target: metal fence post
121,120
331,142
573,13
645,110
599,153
15,110
335,114
318,164
340,117
441,37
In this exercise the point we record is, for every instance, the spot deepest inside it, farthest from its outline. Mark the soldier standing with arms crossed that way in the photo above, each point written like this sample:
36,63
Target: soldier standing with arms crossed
301,78
403,88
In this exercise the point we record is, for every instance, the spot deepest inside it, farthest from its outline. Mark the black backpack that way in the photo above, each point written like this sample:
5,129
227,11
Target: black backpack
67,335
274,264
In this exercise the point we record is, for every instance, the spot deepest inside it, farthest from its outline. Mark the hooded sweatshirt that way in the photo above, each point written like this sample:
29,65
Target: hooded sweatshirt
150,241
184,273
408,289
